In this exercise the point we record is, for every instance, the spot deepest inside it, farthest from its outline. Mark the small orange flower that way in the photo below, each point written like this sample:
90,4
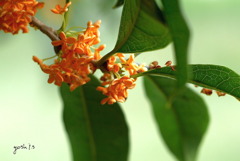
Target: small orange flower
16,15
117,90
112,66
61,10
97,55
65,42
130,65
106,77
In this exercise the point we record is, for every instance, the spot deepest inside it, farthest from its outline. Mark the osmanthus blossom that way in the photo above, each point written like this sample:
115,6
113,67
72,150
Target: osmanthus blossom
112,66
117,90
75,61
117,83
61,10
76,57
15,15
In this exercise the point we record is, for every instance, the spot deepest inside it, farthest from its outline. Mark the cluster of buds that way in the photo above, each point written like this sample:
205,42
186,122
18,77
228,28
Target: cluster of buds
16,15
209,92
154,65
61,10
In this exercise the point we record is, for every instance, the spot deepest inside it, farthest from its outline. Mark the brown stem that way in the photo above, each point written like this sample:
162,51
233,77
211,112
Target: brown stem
50,32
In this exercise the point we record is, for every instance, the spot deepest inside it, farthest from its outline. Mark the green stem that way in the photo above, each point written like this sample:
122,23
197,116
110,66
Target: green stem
49,58
65,19
63,27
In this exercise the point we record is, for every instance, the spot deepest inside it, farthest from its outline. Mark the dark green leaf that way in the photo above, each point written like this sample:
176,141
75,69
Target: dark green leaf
96,132
119,3
142,28
182,120
210,76
180,36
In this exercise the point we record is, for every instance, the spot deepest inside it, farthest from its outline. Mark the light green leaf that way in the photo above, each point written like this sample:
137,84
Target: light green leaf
182,120
180,36
96,132
209,76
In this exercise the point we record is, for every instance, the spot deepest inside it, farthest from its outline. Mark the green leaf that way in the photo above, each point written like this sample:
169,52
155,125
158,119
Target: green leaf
96,132
209,76
119,3
142,28
180,36
182,120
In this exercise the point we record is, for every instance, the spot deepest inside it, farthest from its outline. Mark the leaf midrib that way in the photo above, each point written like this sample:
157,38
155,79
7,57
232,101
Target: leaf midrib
171,75
89,129
130,31
173,111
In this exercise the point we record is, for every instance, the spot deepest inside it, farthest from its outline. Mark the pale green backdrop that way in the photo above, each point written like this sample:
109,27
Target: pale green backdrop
31,109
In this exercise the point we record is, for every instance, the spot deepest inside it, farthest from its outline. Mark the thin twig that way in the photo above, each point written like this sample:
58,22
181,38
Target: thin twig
50,32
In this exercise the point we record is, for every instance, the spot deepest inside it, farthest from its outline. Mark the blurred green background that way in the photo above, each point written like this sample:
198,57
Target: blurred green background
31,109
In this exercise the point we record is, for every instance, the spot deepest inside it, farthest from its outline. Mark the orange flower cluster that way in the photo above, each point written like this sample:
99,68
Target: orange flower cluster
75,60
117,88
61,10
130,65
15,15
112,66
127,64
